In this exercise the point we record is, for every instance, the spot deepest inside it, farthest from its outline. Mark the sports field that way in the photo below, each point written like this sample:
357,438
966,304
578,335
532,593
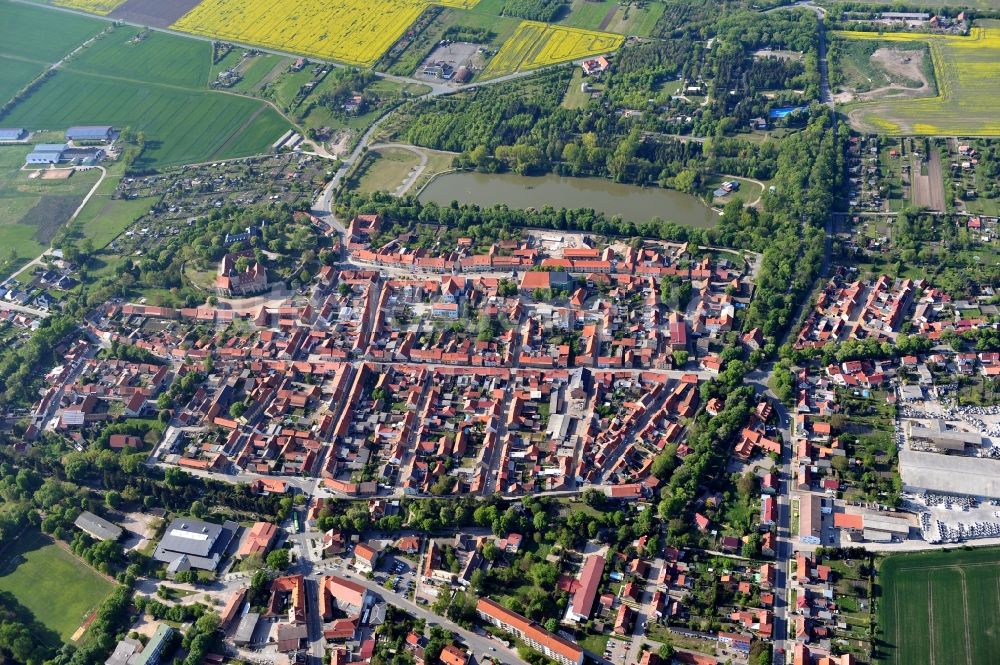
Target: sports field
352,31
59,589
536,45
966,70
940,607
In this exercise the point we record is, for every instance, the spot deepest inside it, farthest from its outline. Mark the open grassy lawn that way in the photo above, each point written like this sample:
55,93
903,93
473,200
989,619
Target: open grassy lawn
255,70
181,126
33,210
40,34
59,589
104,217
939,607
575,97
594,642
384,170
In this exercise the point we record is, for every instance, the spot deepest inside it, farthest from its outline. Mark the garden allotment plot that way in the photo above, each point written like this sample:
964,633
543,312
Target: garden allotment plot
352,31
940,607
967,72
536,45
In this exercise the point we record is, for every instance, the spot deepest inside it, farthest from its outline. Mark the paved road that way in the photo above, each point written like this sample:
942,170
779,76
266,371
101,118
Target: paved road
4,305
478,644
785,547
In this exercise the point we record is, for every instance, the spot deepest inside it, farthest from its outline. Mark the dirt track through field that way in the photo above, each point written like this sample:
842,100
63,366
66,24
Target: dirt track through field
936,181
930,623
965,609
154,13
609,17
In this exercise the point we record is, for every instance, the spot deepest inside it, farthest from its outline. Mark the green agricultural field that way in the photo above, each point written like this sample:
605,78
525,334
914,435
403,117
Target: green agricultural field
59,589
157,85
939,607
612,16
156,58
181,126
966,70
588,14
15,74
33,210
42,35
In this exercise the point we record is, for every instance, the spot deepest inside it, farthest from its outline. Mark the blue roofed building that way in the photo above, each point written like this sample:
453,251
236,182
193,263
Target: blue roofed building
47,153
90,133
12,134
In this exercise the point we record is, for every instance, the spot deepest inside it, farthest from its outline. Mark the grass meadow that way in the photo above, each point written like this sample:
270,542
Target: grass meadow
15,74
966,71
939,607
33,210
613,16
59,589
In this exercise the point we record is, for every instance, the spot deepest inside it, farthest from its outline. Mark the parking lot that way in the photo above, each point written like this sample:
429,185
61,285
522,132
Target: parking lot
396,574
617,651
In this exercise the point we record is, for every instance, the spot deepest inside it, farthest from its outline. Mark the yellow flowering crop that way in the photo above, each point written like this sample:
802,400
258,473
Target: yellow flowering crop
352,31
102,7
966,72
535,45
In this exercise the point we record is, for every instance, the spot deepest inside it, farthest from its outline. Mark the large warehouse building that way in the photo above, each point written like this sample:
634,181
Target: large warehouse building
939,434
192,543
12,135
47,153
91,133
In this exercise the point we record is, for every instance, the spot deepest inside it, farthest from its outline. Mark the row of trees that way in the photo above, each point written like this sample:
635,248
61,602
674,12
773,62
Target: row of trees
20,366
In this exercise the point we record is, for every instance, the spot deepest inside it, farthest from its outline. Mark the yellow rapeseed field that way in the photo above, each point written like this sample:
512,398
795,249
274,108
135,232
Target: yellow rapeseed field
352,31
102,7
535,45
966,72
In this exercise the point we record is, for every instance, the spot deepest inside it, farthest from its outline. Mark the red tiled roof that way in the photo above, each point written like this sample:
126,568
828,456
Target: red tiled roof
538,634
